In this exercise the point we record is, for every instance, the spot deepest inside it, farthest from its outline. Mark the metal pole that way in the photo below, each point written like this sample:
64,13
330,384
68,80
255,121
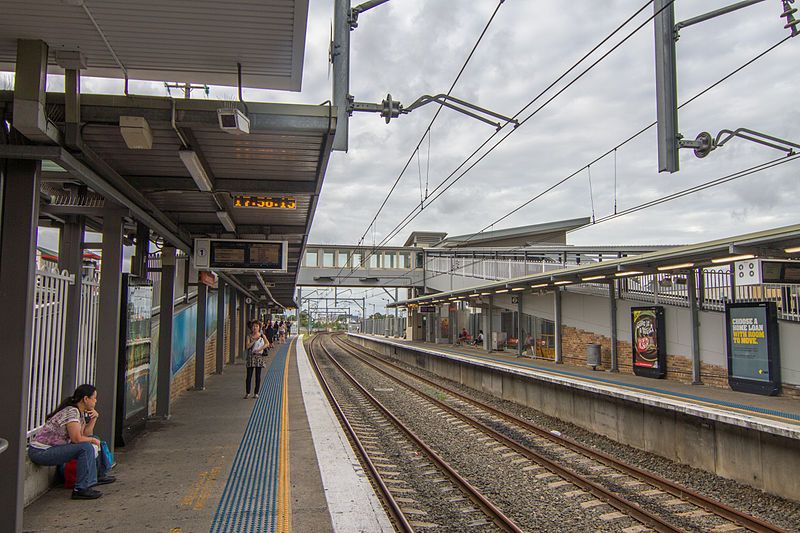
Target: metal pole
520,340
70,258
612,298
557,313
20,214
220,326
487,337
200,338
341,71
108,324
666,86
712,14
232,325
692,289
242,324
165,316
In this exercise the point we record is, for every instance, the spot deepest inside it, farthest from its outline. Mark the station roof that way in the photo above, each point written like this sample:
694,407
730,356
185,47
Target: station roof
285,154
554,232
195,41
768,243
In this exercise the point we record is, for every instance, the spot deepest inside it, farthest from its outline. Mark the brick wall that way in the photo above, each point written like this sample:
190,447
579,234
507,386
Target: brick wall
679,367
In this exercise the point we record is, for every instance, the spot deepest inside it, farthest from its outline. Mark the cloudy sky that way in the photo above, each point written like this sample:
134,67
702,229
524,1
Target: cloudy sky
409,48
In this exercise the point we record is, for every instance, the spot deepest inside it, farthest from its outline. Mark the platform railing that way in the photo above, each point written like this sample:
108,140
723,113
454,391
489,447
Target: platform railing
47,343
87,332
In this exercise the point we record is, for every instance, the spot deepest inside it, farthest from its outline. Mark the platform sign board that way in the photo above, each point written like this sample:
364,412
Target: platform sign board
753,347
240,255
133,381
427,308
649,341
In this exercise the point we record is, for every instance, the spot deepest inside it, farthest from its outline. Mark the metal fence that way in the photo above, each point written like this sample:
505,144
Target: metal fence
47,343
87,329
489,269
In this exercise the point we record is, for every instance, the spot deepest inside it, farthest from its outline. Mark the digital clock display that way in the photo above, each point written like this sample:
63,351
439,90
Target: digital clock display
264,202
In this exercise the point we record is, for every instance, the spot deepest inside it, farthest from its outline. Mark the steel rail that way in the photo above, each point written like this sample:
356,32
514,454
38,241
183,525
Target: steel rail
491,511
394,507
745,520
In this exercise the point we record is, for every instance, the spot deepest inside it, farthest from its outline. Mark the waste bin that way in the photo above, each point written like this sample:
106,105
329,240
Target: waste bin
593,355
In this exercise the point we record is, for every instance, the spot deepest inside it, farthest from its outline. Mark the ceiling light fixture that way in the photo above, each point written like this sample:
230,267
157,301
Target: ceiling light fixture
675,267
485,293
474,295
562,282
628,273
226,221
195,168
539,285
136,133
592,278
792,250
732,258
515,289
500,291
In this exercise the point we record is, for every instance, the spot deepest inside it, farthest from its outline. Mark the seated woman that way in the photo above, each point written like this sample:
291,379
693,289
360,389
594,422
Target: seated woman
479,339
67,435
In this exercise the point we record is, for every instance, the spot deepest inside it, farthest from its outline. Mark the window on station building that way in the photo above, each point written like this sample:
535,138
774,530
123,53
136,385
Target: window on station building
404,260
343,258
357,257
389,259
311,258
375,260
328,258
420,260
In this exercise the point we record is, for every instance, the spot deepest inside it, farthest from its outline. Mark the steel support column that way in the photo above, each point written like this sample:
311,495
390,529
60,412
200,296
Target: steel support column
242,324
520,340
557,320
108,325
232,325
666,86
487,336
340,56
220,326
200,338
691,286
612,299
20,213
165,317
70,258
139,259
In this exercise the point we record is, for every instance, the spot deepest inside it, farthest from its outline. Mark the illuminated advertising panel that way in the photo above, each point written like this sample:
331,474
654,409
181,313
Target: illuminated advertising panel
753,347
649,342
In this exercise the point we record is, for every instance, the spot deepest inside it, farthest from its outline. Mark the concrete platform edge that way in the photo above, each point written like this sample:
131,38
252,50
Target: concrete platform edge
352,503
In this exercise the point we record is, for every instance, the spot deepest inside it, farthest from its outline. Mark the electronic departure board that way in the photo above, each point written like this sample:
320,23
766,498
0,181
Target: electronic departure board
240,255
264,202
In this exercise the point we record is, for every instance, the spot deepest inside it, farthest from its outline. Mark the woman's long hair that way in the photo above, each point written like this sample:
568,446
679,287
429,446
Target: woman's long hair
72,401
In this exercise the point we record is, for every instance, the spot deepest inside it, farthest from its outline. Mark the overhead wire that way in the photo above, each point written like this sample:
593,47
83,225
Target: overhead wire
414,213
614,151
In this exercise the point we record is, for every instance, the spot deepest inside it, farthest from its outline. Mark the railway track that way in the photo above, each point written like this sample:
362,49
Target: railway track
433,476
655,502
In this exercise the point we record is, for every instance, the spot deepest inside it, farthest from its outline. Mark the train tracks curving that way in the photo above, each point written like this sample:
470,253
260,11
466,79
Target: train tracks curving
586,476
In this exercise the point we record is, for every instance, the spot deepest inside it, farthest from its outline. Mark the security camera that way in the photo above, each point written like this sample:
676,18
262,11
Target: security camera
233,121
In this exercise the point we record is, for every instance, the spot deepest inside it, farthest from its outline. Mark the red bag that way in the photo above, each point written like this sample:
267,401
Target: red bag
70,473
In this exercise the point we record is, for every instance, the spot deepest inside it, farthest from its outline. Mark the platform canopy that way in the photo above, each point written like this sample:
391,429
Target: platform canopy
195,41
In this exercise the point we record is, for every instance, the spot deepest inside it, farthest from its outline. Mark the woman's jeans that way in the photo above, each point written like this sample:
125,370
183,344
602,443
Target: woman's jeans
250,377
88,468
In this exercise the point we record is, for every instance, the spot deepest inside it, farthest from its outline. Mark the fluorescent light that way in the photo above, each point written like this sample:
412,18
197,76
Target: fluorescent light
500,291
675,267
485,293
517,289
136,133
792,250
453,298
628,273
226,220
195,168
538,286
732,258
564,282
591,278
474,295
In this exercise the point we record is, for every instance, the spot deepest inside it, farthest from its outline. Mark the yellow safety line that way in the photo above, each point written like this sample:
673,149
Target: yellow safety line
634,389
284,501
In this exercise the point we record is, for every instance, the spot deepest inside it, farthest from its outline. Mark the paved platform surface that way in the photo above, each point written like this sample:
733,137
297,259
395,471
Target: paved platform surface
223,463
776,414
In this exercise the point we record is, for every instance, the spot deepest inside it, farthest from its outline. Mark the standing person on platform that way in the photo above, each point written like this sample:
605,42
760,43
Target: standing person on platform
282,331
271,331
67,435
257,345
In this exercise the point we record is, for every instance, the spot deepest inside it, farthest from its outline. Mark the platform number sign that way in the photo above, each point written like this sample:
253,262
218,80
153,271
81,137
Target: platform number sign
648,342
753,347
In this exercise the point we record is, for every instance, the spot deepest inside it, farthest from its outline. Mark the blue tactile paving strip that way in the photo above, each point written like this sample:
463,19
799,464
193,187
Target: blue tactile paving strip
249,502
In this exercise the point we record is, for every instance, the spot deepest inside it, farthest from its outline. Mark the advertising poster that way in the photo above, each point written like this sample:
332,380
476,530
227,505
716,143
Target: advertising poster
649,344
753,357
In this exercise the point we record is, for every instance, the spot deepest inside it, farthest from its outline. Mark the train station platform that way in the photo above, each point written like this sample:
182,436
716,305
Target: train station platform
747,437
224,463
